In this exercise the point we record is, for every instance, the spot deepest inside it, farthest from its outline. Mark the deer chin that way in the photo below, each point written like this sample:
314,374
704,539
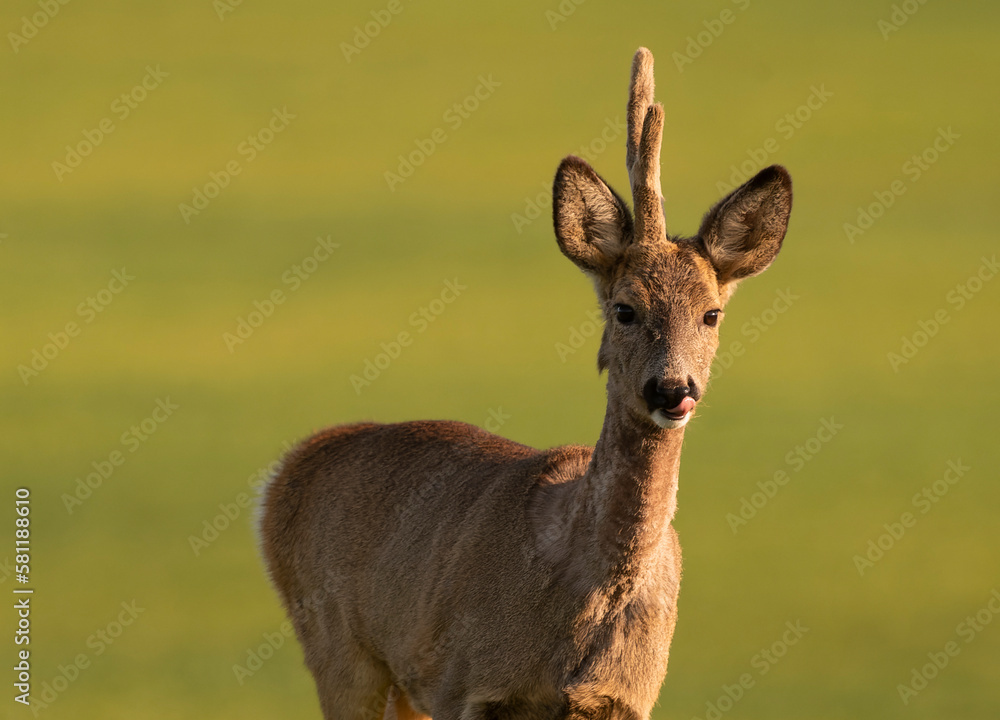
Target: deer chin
676,417
670,421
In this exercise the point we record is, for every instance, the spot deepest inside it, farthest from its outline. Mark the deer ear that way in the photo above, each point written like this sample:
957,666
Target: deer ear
742,234
593,225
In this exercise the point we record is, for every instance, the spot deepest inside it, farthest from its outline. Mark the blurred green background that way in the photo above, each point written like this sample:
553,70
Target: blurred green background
470,213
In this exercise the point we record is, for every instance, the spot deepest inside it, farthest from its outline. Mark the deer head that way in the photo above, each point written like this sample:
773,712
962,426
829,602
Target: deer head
662,296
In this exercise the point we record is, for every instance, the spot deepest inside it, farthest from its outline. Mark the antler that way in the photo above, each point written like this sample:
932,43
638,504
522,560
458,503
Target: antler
642,151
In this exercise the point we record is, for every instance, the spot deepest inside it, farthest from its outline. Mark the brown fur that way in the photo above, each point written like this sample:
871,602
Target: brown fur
435,569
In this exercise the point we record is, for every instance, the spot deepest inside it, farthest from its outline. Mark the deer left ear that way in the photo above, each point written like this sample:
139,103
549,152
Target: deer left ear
742,234
592,224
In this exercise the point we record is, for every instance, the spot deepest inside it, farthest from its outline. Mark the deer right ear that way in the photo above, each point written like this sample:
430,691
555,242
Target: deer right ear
593,225
743,232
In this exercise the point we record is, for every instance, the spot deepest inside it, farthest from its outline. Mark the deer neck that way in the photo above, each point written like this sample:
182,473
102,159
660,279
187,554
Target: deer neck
631,489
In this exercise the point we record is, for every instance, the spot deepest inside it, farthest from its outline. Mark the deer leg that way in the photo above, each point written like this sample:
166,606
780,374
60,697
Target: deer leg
351,684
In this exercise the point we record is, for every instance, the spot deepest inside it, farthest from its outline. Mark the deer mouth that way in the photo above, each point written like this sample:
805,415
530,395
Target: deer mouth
675,417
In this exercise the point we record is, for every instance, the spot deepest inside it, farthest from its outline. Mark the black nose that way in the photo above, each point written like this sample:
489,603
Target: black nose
665,395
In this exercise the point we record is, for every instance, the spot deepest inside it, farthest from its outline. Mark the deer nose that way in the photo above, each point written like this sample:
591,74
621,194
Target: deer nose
670,394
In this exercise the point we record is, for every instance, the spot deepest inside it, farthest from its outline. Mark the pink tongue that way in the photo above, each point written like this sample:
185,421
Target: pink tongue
686,406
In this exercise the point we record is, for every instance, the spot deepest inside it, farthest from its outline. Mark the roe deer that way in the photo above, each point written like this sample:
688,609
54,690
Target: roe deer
435,569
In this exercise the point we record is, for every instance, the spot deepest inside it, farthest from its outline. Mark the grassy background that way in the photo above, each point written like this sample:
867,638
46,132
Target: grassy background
495,347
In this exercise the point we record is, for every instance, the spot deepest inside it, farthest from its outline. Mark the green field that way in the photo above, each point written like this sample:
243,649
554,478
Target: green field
844,102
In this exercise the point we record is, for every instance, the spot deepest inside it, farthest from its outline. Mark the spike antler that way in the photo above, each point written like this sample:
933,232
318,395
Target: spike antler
642,151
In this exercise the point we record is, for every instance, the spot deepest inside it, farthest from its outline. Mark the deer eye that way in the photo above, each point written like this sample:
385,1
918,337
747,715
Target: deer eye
711,318
624,313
